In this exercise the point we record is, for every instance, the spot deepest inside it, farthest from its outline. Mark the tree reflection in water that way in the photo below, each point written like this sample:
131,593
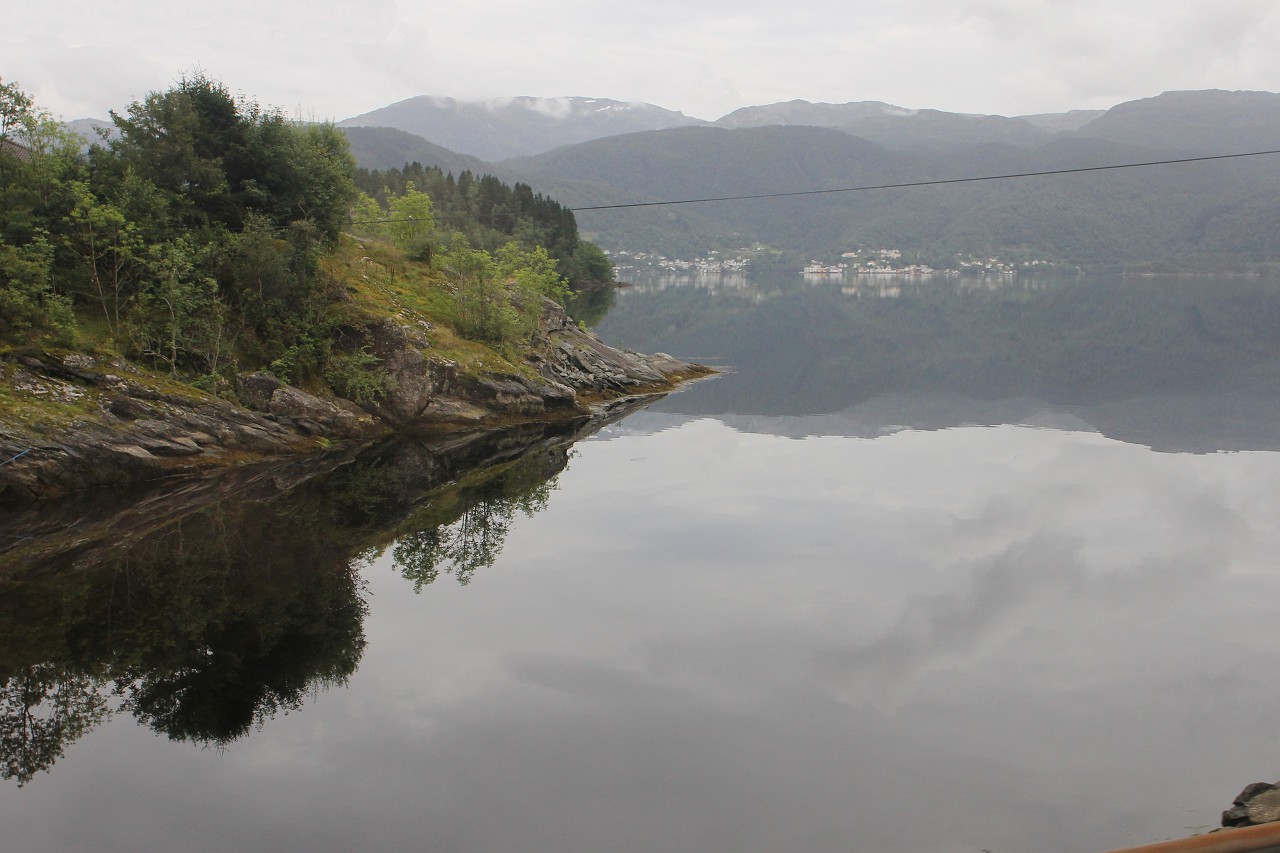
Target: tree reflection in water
202,629
205,607
468,532
41,710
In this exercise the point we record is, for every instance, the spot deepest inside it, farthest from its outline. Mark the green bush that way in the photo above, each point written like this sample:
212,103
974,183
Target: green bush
357,377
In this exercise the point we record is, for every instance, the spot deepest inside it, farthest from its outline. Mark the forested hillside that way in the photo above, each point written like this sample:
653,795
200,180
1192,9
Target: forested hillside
210,236
389,148
490,213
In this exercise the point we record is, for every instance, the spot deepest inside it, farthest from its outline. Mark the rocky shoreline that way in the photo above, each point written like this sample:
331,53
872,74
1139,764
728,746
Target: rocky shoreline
140,431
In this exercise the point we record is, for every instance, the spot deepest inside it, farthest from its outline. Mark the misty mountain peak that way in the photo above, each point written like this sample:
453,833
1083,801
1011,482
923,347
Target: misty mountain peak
501,128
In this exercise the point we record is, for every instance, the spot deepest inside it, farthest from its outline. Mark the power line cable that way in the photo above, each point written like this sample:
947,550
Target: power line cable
935,183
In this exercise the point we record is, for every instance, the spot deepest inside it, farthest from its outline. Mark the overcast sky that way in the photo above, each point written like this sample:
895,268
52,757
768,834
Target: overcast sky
338,58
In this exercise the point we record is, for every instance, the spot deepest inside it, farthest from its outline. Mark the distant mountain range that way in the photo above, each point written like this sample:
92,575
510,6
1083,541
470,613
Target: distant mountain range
1220,215
1207,122
512,127
499,129
592,151
92,129
894,127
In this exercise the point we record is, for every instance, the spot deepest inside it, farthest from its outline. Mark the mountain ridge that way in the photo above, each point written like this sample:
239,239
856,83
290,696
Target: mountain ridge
509,127
497,129
1228,211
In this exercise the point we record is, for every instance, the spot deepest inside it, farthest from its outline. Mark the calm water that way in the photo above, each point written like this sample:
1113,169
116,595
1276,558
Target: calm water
934,568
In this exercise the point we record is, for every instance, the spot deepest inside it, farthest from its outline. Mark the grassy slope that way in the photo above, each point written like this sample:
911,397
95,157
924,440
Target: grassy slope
379,282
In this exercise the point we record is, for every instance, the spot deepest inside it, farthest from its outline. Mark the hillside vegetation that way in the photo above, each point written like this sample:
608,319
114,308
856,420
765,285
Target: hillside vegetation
211,237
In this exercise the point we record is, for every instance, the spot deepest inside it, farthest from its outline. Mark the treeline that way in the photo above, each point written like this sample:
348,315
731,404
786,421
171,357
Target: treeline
490,214
193,240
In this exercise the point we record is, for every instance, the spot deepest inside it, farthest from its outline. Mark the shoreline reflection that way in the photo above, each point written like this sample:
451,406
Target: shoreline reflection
205,607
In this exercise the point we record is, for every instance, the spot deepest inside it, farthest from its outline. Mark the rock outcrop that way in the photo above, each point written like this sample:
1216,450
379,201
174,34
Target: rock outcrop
125,427
570,368
132,430
569,355
1258,803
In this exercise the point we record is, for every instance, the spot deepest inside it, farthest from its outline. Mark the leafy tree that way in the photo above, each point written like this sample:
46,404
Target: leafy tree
181,315
16,110
588,265
217,160
490,214
321,168
483,310
27,299
357,376
37,159
367,216
531,271
499,297
412,222
112,250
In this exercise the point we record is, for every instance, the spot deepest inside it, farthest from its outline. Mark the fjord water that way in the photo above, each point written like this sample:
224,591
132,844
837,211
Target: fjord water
937,566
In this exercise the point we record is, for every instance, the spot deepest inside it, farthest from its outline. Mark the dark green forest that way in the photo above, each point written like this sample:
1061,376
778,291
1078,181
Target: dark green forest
490,214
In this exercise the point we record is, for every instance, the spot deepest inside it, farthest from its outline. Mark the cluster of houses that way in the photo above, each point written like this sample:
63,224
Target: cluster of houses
861,262
712,263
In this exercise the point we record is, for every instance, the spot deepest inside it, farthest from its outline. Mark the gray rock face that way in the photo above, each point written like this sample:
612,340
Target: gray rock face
568,355
431,392
302,411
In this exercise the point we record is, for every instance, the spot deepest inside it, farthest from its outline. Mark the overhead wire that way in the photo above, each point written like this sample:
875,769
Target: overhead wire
930,183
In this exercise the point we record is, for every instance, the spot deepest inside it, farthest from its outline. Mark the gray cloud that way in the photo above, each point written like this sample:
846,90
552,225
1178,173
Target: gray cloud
339,57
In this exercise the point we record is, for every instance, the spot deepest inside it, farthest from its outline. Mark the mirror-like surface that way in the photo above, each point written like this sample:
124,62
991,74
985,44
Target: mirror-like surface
946,568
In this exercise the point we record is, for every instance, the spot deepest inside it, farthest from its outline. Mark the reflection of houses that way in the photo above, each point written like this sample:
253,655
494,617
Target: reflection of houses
916,270
815,268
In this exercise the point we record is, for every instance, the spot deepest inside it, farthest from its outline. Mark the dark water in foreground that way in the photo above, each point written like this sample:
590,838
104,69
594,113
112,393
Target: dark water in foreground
940,569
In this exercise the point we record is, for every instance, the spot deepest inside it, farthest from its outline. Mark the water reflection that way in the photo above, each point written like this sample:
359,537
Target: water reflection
948,639
465,532
200,626
204,608
590,306
1176,364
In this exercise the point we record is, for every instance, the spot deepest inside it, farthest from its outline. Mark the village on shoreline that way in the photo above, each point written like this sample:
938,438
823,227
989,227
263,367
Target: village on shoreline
889,262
